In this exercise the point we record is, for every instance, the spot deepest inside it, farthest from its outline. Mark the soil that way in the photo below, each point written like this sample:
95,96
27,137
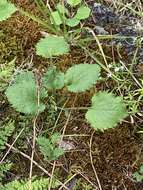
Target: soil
116,153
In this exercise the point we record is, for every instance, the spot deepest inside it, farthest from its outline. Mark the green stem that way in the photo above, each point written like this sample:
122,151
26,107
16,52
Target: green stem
104,37
46,13
41,6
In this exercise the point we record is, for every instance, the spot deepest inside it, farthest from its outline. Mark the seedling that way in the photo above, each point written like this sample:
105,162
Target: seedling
106,109
27,94
49,147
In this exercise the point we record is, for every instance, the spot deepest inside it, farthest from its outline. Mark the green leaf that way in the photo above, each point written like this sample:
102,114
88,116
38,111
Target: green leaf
53,79
73,2
83,13
6,9
48,147
141,169
81,77
23,94
45,147
4,168
6,72
55,138
36,184
106,111
137,176
52,46
62,9
72,22
56,17
7,69
5,132
57,153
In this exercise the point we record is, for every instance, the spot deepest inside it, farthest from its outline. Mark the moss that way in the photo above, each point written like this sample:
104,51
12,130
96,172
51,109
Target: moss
10,47
18,35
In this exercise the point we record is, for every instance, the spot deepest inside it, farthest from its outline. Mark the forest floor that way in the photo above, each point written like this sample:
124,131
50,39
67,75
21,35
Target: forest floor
107,159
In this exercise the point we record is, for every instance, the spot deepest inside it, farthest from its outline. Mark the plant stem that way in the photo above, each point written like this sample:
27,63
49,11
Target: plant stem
91,159
34,133
11,146
42,8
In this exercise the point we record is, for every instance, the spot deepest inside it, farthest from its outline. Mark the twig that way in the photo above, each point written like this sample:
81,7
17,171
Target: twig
34,131
67,181
86,178
59,115
50,184
69,115
61,140
11,146
90,145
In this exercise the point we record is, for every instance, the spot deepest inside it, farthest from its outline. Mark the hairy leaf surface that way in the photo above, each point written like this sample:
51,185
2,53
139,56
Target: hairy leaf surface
53,79
52,46
106,111
23,94
81,77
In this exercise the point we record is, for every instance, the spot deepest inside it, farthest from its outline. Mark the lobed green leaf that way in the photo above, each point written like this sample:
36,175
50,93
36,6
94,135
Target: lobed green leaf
81,77
52,46
106,111
48,147
23,94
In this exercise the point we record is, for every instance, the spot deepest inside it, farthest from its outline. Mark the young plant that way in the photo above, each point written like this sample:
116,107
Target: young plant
106,109
62,15
52,45
49,148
